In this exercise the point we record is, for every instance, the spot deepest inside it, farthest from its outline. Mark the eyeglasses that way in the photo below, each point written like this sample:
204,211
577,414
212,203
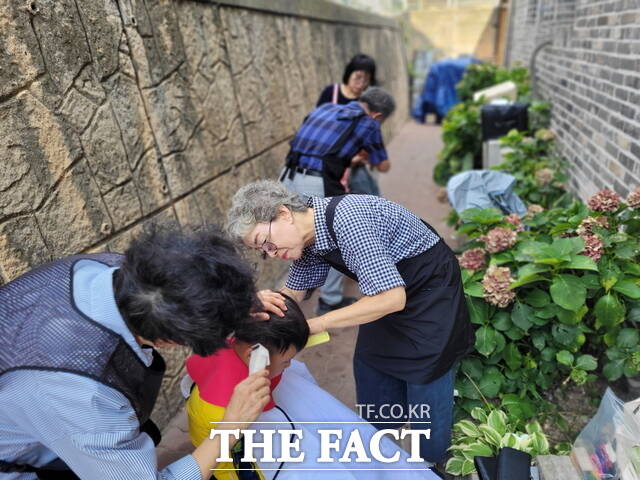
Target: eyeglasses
268,247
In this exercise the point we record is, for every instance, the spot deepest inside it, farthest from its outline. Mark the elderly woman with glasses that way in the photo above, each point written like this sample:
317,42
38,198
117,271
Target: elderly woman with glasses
414,325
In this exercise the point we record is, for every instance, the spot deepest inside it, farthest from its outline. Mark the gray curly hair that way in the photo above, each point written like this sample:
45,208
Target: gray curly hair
258,202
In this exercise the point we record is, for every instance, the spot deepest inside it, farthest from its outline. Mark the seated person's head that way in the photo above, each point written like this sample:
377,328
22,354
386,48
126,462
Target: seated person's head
185,289
284,337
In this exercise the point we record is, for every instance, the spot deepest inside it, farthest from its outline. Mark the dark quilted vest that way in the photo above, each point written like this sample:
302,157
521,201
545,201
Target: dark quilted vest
42,329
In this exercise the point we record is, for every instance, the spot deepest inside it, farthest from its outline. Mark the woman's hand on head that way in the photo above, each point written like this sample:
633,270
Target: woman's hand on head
271,302
247,402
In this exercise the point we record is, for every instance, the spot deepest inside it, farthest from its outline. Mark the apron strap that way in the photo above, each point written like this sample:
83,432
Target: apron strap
330,214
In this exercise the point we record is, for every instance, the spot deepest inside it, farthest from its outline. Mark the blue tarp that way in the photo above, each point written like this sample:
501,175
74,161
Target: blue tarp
484,189
439,91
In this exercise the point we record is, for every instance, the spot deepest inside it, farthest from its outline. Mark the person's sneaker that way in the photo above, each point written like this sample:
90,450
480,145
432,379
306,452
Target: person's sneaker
324,307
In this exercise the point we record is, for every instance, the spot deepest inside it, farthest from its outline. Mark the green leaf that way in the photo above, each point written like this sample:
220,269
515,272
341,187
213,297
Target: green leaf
473,367
526,280
537,298
538,339
608,277
479,414
568,292
501,321
539,443
581,262
476,449
474,289
468,467
568,246
466,274
509,440
517,407
454,466
564,357
591,281
486,340
491,435
548,311
628,338
515,333
634,314
478,311
520,316
548,354
609,311
613,370
628,288
587,362
501,258
491,382
632,268
572,318
532,269
468,428
485,216
565,334
498,420
512,356
627,251
530,249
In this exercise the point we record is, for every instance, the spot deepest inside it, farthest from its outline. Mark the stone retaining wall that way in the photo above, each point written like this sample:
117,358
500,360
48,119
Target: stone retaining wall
117,113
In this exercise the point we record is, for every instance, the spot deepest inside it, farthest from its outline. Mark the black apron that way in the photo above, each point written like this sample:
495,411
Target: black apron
333,165
422,342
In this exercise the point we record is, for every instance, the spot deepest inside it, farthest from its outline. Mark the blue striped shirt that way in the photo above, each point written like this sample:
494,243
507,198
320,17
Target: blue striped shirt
92,427
323,127
373,235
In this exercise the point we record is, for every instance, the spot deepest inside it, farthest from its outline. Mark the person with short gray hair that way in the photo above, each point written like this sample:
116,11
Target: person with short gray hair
412,318
379,100
332,138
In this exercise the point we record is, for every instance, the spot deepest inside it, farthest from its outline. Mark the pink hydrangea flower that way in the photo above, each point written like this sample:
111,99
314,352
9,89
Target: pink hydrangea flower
534,208
593,247
514,219
545,134
604,201
496,283
633,200
499,239
472,259
586,226
544,176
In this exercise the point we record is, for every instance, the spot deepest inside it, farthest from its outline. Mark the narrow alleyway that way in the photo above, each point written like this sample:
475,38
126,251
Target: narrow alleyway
413,153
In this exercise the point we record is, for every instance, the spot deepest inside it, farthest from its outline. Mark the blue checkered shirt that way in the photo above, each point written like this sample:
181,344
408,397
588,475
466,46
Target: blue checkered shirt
373,235
323,127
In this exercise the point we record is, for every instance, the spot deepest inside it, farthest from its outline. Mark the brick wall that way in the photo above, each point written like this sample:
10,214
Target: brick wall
588,67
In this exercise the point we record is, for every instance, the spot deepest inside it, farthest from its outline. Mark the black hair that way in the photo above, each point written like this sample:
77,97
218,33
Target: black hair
277,333
361,62
188,288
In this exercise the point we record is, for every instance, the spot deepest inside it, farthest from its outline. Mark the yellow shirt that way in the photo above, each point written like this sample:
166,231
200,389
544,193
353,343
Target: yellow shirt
203,417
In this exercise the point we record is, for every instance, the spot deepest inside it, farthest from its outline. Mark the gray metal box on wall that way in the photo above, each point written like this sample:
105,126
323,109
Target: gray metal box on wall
493,153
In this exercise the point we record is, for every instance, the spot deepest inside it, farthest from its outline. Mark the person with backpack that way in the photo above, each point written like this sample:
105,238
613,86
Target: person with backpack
323,148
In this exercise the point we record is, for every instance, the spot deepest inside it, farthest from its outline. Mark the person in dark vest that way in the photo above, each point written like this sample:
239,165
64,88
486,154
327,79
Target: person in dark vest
328,141
413,321
79,373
